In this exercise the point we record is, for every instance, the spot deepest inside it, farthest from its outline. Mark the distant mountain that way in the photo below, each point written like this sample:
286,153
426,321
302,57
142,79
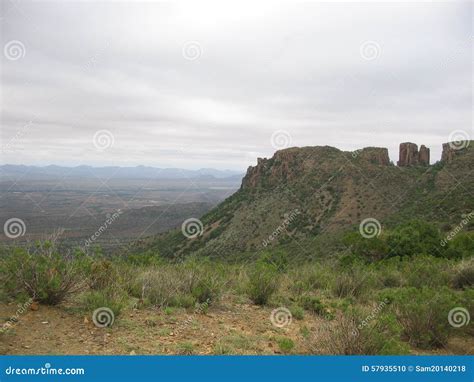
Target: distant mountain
308,197
140,172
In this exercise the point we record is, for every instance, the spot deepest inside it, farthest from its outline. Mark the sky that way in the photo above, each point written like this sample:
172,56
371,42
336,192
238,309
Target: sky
218,84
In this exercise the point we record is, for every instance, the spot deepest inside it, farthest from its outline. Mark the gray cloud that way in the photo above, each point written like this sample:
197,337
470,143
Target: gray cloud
120,67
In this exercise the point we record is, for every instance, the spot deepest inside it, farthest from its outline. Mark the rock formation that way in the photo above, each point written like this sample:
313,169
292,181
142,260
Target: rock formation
449,151
410,156
424,156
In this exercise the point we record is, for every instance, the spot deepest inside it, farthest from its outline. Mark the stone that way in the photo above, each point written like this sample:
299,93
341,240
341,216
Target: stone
424,156
448,153
408,154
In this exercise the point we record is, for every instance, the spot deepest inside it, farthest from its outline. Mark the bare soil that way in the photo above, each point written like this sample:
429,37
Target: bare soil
230,328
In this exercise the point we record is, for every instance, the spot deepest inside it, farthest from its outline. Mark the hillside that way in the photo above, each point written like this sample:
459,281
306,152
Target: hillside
307,197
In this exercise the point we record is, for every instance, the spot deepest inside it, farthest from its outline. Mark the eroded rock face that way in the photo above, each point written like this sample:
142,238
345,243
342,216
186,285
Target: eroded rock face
424,156
448,153
254,173
410,156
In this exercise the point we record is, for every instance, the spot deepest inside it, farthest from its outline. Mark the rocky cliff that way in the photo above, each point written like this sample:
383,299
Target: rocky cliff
410,156
332,191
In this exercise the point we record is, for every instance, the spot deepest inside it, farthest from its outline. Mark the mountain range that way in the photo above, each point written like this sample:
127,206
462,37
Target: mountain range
139,172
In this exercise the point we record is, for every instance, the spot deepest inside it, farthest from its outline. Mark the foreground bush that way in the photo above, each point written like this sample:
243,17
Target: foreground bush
43,273
423,314
262,282
181,285
347,336
112,298
464,275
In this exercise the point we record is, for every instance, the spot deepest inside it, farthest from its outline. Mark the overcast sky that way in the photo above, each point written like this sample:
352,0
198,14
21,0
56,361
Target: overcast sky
209,84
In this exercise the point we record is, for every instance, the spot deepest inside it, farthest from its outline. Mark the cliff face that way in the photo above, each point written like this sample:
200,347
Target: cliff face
424,156
293,163
410,156
331,191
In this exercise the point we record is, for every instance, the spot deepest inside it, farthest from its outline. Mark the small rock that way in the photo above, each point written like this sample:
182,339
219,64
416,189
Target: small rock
26,346
133,352
44,322
86,320
34,306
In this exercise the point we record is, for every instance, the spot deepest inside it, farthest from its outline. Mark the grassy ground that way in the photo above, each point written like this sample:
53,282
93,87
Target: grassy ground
230,328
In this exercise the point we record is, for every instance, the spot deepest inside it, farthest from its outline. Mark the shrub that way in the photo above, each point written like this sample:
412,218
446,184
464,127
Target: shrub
286,345
426,271
391,279
352,282
309,278
462,245
163,286
313,305
415,238
277,258
262,282
423,314
185,348
368,249
111,298
464,275
43,273
297,312
343,336
179,285
102,274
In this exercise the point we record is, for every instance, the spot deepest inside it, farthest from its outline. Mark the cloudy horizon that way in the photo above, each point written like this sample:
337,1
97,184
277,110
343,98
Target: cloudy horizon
214,85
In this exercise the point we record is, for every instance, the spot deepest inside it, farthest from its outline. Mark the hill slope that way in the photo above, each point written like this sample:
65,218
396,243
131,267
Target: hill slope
307,197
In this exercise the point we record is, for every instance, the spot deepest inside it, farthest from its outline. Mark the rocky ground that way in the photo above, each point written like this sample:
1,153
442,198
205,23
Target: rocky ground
231,328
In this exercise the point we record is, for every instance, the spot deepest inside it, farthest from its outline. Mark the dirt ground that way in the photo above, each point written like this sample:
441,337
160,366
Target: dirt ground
230,328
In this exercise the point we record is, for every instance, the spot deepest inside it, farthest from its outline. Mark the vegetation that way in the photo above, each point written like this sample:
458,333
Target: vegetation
367,302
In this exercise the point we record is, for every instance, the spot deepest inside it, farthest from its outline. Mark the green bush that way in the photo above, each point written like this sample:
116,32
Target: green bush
43,273
462,245
415,238
346,336
423,314
111,298
180,285
352,283
464,275
309,278
277,258
286,345
313,304
426,271
102,273
297,312
369,249
262,282
164,286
